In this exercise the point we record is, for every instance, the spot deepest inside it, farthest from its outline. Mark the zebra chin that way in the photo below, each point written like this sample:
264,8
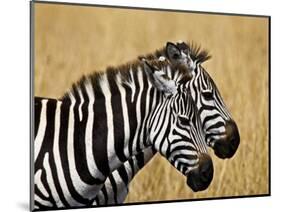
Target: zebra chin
200,178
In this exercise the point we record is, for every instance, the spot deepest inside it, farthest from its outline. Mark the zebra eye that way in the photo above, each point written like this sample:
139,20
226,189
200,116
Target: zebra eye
184,121
207,94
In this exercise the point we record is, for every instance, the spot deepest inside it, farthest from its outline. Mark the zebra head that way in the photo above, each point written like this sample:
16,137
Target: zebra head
175,128
221,131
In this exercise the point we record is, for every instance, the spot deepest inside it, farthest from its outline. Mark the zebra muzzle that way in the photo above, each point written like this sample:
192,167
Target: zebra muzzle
226,148
200,178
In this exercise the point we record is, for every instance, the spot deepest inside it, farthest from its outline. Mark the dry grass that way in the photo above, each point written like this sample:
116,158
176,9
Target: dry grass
71,41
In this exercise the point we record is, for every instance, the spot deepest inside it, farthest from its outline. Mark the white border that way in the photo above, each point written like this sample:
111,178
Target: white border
14,112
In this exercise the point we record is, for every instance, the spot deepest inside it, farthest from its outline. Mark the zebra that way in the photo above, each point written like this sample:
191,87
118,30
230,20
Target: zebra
220,130
107,118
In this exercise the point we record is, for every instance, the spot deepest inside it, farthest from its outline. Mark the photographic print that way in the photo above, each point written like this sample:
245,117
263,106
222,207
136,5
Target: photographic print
138,105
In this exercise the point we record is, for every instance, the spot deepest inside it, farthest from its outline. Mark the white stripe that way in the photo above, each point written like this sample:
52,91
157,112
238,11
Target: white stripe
121,187
161,135
176,76
214,121
92,166
88,191
109,192
169,72
50,181
40,185
158,112
81,104
132,85
125,114
165,111
138,108
147,112
206,113
41,129
43,202
101,197
113,160
57,158
159,116
195,139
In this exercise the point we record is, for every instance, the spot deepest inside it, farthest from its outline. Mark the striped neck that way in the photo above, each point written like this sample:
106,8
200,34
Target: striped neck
114,108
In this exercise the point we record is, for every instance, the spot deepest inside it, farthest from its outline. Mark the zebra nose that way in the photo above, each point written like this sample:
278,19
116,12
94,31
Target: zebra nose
200,178
226,148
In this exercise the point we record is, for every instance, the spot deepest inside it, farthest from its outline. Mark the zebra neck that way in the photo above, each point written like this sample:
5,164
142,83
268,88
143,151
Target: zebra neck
112,118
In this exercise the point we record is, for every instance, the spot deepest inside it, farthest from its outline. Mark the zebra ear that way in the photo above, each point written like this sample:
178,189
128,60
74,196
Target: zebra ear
172,51
159,79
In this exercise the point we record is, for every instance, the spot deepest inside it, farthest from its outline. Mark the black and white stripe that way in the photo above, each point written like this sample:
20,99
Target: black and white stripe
105,120
212,110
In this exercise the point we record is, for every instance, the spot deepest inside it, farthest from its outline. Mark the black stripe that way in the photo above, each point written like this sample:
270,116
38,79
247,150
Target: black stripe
205,107
49,138
166,135
47,143
79,141
46,185
99,132
114,187
131,106
131,162
158,116
56,180
208,118
37,113
123,174
140,159
216,125
41,207
151,93
143,100
97,200
132,113
40,194
187,157
104,195
214,134
63,152
118,121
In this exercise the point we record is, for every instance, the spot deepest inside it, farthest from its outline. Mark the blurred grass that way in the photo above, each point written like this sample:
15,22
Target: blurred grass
73,40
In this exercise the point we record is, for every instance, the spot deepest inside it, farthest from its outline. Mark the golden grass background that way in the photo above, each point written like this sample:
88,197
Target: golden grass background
74,40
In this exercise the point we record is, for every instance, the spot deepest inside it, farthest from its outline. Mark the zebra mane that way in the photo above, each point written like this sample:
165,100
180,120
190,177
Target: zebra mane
196,53
124,70
111,73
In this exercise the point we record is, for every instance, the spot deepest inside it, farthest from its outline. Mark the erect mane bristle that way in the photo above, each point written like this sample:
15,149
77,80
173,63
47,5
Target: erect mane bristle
196,52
